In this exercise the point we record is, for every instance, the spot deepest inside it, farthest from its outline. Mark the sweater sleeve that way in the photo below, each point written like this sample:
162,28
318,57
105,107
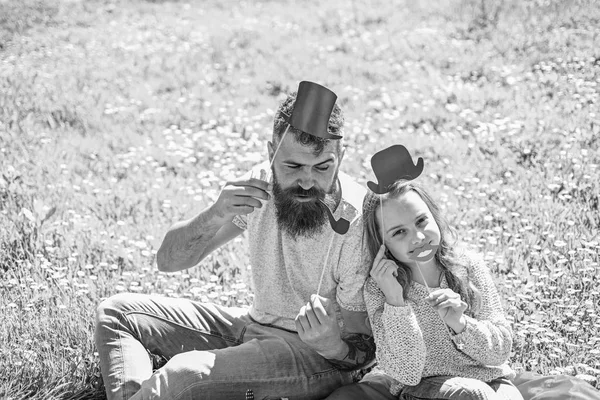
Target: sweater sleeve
398,338
486,338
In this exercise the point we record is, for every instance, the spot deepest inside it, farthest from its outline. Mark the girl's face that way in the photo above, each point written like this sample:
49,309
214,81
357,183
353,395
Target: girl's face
410,230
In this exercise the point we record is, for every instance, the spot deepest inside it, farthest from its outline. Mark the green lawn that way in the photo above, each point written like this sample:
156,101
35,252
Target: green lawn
119,118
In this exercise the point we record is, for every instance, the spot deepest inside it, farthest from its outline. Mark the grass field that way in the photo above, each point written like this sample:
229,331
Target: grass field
119,118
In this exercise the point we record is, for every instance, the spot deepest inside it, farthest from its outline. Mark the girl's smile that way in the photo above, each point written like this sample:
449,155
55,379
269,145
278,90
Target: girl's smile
423,253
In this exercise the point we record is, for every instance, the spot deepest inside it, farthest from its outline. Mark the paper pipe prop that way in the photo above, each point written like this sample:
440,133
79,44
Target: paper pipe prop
340,226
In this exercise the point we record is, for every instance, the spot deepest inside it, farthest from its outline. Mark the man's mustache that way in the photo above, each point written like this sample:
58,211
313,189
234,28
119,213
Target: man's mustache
298,191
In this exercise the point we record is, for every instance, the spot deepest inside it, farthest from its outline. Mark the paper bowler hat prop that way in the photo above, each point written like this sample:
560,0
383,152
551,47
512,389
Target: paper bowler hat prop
391,165
312,110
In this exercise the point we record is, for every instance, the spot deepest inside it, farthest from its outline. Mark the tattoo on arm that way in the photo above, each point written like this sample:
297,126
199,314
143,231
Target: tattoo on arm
186,249
186,242
361,351
195,243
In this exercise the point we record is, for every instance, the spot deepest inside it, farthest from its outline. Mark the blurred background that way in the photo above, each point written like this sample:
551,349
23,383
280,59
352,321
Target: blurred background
118,119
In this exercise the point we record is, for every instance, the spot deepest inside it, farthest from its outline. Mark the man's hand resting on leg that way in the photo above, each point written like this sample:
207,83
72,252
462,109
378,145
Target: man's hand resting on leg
317,326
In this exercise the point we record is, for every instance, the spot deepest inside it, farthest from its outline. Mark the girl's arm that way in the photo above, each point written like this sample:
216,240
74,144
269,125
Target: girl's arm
398,339
488,337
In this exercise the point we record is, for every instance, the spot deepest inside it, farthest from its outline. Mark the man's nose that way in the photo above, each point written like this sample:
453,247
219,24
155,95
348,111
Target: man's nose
306,181
306,184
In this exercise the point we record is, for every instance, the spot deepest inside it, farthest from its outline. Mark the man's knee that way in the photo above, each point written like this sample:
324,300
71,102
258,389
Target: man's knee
112,306
191,365
183,376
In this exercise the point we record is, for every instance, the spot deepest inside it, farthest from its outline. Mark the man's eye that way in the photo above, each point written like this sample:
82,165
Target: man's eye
293,166
323,169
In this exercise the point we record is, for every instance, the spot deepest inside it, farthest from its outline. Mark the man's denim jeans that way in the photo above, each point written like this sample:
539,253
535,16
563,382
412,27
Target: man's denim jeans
213,353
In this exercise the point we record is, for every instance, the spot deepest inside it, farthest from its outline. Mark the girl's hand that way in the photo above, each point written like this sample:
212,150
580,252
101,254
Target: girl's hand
450,307
384,273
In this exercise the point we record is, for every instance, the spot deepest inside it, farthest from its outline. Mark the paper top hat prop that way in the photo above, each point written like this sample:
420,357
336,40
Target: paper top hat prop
312,110
391,165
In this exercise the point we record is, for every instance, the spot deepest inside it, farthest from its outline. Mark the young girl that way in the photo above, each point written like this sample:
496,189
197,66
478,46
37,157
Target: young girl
435,313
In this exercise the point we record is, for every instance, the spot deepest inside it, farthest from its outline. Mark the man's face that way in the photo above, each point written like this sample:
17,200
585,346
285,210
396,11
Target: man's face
300,180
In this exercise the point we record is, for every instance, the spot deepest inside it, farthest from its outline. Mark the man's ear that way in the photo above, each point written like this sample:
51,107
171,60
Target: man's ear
271,151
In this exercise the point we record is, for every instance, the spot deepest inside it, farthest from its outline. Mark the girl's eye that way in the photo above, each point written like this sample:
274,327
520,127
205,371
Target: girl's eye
399,232
422,221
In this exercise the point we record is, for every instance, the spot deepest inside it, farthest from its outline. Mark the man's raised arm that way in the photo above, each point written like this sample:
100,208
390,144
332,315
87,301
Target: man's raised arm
189,242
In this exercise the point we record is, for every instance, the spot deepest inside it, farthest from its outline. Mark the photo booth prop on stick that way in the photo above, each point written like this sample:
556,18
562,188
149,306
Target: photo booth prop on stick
312,110
391,165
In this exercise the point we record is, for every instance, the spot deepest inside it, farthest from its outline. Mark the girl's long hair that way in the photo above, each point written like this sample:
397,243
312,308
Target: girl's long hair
446,256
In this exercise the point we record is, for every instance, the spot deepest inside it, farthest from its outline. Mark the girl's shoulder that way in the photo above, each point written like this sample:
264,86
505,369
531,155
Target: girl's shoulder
468,254
474,268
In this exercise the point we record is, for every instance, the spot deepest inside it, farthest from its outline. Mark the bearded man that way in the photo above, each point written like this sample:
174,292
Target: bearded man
293,342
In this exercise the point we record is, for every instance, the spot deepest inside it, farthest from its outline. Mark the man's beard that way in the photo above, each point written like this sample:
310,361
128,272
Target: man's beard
301,218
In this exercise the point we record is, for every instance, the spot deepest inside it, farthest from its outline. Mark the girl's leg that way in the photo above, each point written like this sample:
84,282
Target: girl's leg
449,388
362,391
374,386
505,389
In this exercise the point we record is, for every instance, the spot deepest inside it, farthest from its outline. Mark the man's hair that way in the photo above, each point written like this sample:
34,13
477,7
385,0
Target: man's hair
335,127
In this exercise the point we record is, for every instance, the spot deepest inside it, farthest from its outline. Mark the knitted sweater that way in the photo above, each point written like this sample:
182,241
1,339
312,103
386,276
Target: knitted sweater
413,342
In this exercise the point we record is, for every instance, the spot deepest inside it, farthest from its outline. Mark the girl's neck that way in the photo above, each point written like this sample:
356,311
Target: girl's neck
429,270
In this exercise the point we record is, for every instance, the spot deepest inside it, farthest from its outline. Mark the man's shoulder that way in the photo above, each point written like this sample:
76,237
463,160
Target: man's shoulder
352,192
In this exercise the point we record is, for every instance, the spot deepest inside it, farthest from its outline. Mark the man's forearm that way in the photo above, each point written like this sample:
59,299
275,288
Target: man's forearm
185,243
356,351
